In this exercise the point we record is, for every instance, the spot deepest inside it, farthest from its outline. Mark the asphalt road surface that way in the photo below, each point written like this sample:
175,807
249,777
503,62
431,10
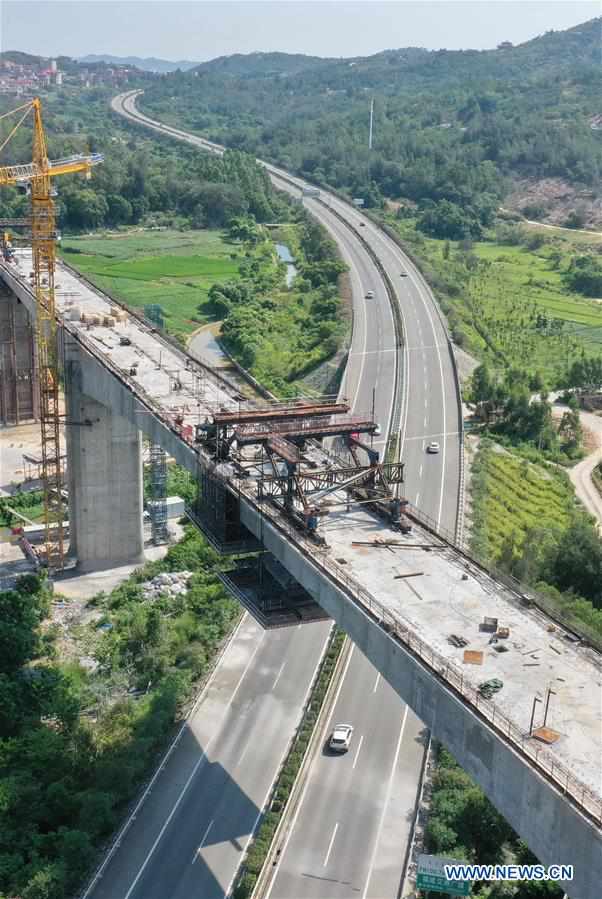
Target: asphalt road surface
189,836
359,806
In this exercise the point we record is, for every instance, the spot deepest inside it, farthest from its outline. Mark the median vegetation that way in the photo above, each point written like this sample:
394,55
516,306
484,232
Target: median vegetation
89,693
260,847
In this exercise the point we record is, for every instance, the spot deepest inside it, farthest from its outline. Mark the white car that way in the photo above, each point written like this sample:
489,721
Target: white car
433,447
370,295
341,738
377,431
403,274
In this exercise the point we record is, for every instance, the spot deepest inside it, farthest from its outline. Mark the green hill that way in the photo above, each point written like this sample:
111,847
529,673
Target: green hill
460,126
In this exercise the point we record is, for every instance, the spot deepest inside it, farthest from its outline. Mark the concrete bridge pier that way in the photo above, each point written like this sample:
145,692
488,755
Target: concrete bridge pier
104,463
19,392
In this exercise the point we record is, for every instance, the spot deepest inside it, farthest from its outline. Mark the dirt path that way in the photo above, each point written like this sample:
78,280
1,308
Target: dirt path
581,473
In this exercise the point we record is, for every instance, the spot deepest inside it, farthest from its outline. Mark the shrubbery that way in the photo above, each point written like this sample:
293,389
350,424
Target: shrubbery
464,825
66,776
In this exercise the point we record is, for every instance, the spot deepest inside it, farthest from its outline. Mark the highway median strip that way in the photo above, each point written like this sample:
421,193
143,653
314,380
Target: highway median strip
254,873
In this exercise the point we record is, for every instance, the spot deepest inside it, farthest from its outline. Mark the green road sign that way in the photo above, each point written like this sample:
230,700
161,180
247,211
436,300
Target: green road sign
430,875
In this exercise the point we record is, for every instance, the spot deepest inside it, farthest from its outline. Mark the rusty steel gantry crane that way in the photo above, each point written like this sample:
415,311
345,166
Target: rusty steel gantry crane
38,175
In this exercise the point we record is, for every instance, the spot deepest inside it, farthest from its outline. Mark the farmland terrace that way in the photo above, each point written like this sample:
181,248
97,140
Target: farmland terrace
405,605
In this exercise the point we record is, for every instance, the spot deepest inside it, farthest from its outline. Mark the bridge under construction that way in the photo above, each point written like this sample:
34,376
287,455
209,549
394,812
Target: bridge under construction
301,488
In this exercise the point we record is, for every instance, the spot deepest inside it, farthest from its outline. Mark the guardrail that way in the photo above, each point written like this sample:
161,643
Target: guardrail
392,235
395,311
445,671
526,595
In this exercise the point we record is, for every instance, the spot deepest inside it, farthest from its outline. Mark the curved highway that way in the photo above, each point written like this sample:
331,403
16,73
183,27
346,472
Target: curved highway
351,829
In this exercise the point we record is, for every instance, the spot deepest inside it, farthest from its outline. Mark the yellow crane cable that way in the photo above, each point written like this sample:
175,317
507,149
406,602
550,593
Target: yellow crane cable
28,106
19,123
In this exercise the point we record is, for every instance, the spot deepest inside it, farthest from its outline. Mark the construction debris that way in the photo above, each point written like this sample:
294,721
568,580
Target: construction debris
410,574
489,687
385,544
169,584
546,735
459,642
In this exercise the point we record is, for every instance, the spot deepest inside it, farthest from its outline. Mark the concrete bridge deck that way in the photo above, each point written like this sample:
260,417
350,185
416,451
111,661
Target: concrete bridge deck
401,624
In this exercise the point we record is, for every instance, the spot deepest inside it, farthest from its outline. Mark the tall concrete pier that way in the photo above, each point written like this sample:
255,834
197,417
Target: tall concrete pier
104,463
19,394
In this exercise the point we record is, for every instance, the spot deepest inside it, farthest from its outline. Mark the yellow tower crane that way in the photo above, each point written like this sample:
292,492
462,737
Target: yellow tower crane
38,175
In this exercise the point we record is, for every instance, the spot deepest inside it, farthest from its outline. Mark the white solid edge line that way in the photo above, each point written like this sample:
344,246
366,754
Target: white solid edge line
357,754
415,279
385,804
165,758
200,846
165,826
194,771
276,867
330,845
279,675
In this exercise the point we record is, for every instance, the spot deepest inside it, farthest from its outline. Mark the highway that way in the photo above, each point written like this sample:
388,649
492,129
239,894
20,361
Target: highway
188,837
365,799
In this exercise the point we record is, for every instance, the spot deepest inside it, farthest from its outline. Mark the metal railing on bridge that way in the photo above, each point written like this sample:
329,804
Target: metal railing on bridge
442,668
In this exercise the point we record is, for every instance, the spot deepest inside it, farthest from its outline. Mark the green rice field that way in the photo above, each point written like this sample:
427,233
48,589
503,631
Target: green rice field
172,269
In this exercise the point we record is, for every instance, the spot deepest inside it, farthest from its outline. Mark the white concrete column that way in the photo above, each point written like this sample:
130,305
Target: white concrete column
19,390
104,461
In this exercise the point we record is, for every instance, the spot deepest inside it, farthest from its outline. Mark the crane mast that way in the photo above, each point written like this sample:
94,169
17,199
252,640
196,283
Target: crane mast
43,252
38,175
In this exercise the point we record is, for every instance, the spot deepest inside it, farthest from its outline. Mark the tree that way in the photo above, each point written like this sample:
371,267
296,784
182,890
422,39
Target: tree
449,221
576,219
481,385
20,615
584,276
120,210
575,564
86,208
570,429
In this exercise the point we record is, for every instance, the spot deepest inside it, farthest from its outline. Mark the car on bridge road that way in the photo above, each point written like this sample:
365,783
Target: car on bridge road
341,738
369,294
433,447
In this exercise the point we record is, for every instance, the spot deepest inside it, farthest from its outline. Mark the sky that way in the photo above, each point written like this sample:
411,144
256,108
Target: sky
199,30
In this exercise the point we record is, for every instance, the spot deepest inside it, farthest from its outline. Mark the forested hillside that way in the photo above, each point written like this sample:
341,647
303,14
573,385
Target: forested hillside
142,180
455,126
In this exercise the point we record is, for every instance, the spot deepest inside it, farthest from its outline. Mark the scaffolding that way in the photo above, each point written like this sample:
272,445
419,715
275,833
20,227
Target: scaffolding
216,511
158,503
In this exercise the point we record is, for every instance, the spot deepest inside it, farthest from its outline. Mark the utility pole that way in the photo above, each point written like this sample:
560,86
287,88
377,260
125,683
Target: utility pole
371,121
